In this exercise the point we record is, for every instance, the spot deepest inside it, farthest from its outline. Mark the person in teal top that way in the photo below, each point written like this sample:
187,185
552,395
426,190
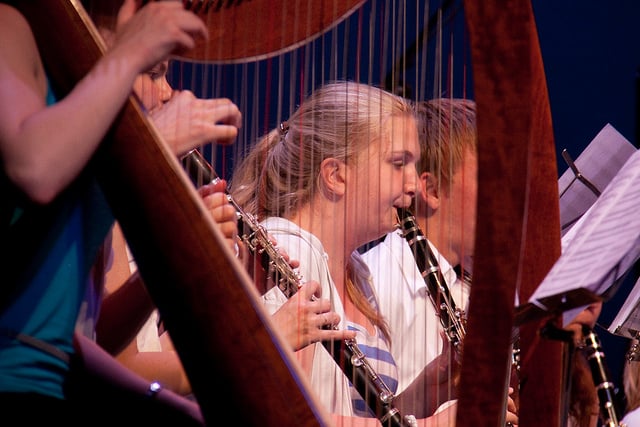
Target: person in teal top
54,216
49,286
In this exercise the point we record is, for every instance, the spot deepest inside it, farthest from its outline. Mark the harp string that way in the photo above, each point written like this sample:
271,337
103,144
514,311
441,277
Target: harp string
451,66
147,169
268,90
307,76
295,74
392,39
300,70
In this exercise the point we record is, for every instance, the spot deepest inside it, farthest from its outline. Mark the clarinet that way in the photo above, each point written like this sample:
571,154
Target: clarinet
346,353
451,317
252,234
610,406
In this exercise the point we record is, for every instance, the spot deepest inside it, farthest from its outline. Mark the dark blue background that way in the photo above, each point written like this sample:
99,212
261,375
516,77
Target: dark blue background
591,55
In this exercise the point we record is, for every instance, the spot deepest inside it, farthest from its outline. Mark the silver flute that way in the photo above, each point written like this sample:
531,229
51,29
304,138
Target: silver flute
346,353
252,234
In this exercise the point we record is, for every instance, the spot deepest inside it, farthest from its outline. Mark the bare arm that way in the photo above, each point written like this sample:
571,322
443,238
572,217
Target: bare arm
41,154
162,366
122,314
96,367
127,306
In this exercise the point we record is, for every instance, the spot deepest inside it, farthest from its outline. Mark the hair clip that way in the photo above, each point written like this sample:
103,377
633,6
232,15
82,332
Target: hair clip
284,128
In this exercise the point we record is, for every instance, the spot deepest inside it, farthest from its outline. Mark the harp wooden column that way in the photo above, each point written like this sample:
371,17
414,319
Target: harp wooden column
518,234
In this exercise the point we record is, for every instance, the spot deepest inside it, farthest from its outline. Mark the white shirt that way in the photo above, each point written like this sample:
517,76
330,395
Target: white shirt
148,337
405,303
632,418
327,379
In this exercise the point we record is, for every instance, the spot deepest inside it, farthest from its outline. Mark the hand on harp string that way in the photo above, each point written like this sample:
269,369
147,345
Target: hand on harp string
184,121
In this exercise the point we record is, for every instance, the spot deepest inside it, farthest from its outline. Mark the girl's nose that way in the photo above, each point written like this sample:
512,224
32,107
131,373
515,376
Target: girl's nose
411,182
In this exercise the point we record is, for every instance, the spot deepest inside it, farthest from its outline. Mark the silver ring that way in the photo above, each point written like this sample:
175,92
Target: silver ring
508,424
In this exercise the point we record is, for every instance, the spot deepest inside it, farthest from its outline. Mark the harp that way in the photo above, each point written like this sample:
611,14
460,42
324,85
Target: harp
262,376
272,382
516,159
508,69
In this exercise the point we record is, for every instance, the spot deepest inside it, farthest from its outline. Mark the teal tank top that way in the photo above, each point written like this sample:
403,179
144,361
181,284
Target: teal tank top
51,282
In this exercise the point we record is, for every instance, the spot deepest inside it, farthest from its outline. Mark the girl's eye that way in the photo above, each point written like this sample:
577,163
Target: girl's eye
399,163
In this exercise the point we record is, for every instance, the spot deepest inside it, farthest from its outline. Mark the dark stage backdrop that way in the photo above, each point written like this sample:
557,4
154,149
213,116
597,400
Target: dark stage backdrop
592,58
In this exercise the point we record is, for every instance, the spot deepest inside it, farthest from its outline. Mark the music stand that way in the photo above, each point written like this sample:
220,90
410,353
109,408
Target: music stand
599,248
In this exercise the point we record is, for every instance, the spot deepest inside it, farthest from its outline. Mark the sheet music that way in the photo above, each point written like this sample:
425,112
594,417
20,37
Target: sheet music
599,163
627,322
603,244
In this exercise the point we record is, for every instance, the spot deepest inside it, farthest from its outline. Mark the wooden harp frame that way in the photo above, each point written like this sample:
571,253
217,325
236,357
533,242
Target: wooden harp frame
246,364
248,355
516,157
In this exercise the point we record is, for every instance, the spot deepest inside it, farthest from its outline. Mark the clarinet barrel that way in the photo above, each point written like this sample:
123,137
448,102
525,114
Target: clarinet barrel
451,317
610,406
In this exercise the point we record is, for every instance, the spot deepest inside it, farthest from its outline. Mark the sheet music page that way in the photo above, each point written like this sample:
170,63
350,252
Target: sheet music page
604,243
599,163
627,322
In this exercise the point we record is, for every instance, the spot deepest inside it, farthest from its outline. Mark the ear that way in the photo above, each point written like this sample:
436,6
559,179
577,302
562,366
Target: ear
332,176
430,190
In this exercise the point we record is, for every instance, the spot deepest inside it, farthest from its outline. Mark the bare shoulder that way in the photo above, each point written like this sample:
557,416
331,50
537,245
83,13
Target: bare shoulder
12,21
19,53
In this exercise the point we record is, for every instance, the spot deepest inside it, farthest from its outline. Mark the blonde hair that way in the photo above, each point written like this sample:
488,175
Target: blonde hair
280,174
447,127
338,120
